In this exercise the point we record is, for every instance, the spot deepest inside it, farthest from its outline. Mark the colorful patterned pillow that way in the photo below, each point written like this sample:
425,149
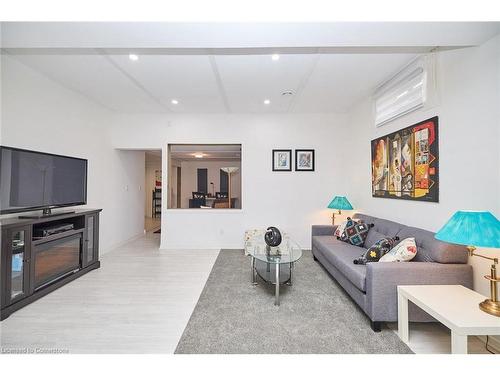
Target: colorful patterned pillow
340,228
377,250
402,252
355,232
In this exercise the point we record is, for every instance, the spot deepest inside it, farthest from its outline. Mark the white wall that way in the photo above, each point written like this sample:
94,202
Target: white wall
469,144
41,115
292,201
189,178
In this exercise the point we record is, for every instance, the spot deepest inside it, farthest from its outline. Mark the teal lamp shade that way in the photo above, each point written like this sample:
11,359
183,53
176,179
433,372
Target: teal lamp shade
469,228
340,203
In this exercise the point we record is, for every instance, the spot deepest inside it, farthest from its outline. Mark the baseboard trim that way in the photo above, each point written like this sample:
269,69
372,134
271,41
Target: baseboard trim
235,247
163,248
170,246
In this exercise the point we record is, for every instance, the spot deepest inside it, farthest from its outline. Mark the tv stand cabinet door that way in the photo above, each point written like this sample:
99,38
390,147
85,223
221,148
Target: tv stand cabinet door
91,240
16,264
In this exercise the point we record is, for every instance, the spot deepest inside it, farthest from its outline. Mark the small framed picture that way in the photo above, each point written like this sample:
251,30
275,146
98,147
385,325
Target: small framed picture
282,160
304,160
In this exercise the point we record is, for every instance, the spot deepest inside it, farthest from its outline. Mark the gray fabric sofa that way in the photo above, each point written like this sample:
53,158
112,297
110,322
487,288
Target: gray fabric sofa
374,286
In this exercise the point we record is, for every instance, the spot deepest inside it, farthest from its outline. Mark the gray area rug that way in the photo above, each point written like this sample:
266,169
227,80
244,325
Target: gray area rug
315,315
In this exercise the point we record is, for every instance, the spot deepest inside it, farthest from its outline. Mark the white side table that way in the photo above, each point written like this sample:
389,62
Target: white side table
453,305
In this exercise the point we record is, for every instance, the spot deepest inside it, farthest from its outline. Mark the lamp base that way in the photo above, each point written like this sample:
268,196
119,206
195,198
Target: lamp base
490,307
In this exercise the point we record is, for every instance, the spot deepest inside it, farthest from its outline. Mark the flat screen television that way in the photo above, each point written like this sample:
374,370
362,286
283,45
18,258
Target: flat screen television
32,180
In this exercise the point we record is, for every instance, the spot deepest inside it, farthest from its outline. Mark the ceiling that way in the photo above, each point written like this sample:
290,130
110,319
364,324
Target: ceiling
206,152
318,83
227,68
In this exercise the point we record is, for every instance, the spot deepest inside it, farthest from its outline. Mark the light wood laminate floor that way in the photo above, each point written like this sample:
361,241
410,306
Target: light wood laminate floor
151,224
140,301
435,338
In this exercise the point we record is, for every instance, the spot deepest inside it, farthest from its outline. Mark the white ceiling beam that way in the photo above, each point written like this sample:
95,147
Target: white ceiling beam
243,35
229,51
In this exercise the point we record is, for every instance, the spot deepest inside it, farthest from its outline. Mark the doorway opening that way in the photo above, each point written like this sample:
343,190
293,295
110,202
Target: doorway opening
153,189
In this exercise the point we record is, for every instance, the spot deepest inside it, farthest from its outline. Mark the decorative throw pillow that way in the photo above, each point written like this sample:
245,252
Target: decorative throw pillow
373,236
377,250
402,252
340,228
355,232
253,236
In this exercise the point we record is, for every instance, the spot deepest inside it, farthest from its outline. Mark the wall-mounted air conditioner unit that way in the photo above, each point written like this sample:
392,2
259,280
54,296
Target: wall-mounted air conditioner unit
410,89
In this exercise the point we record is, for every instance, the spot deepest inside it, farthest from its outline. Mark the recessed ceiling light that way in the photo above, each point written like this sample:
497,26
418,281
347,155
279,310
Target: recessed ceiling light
199,156
275,57
174,101
133,57
267,102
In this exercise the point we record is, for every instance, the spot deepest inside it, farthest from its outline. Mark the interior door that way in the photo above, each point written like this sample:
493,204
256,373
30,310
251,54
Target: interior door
202,180
179,186
224,182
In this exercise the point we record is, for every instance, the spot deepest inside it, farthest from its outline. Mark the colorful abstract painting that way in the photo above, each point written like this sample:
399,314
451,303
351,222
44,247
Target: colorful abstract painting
405,164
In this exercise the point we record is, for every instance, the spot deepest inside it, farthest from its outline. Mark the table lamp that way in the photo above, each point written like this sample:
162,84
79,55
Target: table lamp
339,203
229,171
473,229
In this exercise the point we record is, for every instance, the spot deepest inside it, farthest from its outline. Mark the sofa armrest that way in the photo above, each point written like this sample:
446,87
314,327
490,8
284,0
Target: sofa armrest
323,230
382,279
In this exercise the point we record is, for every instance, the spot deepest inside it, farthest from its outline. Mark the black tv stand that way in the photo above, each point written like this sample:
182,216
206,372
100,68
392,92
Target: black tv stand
47,212
33,264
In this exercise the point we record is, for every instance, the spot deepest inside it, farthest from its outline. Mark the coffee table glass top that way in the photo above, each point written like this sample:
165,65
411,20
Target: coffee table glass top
287,252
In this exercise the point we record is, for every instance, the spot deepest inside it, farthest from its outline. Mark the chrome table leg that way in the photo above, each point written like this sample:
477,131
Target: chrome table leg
277,292
254,281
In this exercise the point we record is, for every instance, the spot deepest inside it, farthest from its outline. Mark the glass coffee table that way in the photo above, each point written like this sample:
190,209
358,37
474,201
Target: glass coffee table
274,265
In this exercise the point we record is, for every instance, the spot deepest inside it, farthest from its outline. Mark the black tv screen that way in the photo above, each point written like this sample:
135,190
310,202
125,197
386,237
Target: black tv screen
31,180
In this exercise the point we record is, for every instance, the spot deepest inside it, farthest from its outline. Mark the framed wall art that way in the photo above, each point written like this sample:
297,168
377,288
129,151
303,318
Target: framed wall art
304,160
282,160
405,164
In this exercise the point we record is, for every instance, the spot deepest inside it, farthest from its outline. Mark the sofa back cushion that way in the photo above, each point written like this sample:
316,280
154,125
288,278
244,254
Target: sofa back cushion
431,250
382,228
428,248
